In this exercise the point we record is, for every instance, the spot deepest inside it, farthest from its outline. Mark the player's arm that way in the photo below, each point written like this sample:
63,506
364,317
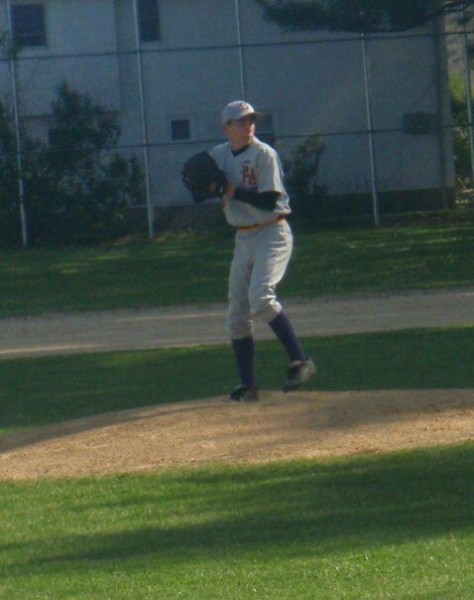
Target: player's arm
262,200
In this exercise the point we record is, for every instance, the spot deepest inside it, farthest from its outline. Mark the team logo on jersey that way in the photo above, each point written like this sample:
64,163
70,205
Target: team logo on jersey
249,175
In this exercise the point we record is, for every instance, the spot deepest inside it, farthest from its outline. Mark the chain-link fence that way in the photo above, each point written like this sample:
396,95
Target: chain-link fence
381,104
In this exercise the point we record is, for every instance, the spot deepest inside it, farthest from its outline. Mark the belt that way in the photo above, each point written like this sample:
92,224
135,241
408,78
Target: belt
258,226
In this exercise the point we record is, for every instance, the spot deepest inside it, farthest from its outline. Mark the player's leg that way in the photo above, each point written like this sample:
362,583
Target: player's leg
271,262
239,325
244,352
271,254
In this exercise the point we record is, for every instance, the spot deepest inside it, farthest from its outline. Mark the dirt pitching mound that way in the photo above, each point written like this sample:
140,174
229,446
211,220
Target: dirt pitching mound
216,431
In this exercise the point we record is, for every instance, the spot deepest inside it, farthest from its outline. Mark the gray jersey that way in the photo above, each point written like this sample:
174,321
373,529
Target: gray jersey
257,169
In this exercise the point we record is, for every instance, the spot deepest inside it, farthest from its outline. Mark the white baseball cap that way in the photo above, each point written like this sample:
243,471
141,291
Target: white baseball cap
236,110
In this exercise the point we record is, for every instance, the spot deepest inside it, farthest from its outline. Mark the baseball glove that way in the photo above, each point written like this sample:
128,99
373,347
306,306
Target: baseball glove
203,178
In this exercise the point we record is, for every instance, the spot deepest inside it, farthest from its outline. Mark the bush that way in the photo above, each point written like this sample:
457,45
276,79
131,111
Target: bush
462,150
76,189
301,175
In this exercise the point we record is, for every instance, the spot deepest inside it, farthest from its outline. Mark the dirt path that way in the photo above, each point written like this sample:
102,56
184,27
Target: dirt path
187,326
215,431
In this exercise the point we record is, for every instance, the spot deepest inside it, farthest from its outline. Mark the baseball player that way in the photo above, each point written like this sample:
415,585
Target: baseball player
247,175
256,204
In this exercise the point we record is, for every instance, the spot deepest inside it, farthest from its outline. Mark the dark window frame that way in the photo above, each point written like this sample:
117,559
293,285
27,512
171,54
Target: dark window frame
149,24
29,25
180,129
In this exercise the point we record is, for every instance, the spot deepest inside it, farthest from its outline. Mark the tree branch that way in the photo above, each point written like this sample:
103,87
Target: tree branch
357,15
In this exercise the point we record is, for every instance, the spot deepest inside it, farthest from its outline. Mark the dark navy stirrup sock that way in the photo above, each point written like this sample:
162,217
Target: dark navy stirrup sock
283,329
244,350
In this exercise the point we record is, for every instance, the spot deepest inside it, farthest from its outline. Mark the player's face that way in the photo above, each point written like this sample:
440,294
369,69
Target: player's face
241,132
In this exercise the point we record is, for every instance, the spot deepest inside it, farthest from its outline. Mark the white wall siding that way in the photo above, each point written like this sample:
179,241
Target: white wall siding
309,82
81,46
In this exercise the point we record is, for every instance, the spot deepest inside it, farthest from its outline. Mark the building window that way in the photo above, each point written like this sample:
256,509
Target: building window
28,23
180,129
149,20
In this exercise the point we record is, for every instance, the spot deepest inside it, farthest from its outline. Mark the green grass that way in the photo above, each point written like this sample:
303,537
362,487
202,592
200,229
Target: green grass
38,391
389,527
173,270
397,526
382,260
193,268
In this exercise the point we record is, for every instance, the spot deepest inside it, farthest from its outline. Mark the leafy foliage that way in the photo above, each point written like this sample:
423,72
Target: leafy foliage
356,15
8,204
301,175
461,130
78,187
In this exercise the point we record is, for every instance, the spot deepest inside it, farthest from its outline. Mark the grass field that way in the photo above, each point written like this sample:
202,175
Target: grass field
38,391
192,268
372,527
382,527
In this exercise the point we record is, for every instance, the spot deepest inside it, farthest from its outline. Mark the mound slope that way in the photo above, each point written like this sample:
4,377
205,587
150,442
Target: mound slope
216,431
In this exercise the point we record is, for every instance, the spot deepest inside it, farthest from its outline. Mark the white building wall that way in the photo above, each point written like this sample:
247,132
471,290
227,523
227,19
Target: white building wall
194,70
81,50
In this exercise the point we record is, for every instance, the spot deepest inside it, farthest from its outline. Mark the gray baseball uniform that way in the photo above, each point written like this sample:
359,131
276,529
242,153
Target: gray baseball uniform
263,241
256,204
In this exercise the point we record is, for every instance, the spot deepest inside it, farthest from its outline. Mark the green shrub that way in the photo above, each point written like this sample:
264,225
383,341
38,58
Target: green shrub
77,188
301,175
462,150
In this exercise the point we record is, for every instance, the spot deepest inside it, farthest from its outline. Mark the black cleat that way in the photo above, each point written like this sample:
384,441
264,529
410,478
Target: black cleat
298,374
244,393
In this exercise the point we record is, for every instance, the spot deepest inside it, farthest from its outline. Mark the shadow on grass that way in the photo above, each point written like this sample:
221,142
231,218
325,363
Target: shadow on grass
42,391
301,508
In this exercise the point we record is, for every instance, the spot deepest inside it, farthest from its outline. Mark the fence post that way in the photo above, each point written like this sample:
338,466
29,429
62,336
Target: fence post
144,124
368,107
240,50
12,56
467,73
